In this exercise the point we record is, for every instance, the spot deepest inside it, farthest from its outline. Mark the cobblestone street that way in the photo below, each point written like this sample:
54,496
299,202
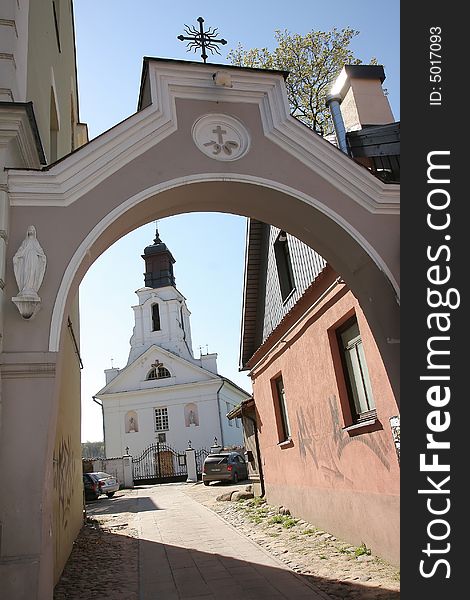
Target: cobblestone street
176,541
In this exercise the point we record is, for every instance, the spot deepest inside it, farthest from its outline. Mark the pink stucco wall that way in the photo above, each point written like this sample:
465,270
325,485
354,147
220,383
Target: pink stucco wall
344,482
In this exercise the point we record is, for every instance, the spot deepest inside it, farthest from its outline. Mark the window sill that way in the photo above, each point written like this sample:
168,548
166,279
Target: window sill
286,443
367,426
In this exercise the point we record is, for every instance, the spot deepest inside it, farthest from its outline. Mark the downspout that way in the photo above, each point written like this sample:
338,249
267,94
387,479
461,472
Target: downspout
333,102
258,452
102,418
220,416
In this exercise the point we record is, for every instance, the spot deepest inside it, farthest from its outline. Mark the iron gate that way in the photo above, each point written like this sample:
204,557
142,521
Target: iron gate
159,463
200,457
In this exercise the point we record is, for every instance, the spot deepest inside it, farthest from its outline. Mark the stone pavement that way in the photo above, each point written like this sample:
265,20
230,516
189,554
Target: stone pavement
187,551
174,541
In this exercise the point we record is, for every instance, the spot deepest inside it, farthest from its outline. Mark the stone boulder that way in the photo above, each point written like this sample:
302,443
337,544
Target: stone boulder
237,495
225,497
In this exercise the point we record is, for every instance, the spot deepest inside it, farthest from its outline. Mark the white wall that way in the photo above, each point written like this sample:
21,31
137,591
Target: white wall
144,404
232,430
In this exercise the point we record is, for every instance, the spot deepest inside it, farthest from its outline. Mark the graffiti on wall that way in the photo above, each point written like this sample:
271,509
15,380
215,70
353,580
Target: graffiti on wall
324,443
64,477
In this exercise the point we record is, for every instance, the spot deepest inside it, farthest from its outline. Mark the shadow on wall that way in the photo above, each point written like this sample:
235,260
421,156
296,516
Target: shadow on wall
186,572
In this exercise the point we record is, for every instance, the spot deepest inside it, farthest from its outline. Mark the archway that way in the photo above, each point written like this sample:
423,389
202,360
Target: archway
166,160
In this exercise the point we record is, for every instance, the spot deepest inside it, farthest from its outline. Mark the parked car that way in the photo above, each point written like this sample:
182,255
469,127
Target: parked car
98,483
224,466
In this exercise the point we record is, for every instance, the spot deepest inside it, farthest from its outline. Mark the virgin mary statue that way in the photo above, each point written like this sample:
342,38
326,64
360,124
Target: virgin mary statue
29,264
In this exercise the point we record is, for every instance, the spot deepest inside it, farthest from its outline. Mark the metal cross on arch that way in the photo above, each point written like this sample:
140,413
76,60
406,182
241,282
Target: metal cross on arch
202,39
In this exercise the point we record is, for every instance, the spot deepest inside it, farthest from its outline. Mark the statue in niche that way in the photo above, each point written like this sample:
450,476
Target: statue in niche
191,416
29,264
132,425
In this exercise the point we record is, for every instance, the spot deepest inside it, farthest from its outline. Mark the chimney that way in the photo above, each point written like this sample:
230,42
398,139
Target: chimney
209,362
358,90
333,102
110,374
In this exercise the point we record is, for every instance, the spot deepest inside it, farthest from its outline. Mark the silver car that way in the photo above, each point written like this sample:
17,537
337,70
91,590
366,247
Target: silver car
105,483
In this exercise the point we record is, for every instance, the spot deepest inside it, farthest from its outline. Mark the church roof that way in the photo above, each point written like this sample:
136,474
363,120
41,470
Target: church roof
158,264
158,247
108,388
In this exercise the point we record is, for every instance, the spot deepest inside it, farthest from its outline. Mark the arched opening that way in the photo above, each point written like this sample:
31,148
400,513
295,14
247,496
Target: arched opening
342,246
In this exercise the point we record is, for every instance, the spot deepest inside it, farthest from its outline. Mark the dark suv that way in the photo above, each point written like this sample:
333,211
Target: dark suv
224,466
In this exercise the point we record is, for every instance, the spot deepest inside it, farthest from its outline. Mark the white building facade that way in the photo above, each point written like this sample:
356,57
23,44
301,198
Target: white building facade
164,394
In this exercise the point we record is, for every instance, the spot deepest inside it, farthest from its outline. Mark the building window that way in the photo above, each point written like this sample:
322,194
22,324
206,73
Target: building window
161,419
228,408
356,373
284,265
280,408
159,372
155,317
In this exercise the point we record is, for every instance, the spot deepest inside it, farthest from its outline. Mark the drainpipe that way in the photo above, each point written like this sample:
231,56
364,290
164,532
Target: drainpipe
333,103
102,417
258,452
220,416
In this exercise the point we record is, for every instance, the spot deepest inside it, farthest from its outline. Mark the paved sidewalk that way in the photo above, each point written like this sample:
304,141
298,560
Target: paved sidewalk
187,552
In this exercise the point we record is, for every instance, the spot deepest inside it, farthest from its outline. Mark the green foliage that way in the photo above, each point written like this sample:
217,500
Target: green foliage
92,449
283,520
308,531
362,549
289,522
276,519
313,60
256,519
256,501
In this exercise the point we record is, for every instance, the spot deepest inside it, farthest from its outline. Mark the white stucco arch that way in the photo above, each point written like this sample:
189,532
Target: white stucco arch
99,229
150,166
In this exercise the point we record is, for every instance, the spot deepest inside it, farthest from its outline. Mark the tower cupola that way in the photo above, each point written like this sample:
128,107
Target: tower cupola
158,264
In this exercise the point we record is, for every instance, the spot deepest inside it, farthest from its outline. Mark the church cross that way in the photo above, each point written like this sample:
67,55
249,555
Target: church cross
220,133
202,39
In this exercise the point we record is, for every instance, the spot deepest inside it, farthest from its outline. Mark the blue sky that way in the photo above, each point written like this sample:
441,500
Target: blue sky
112,37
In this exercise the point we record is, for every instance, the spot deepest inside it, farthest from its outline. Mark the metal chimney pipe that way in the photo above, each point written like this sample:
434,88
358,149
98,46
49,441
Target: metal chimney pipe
333,103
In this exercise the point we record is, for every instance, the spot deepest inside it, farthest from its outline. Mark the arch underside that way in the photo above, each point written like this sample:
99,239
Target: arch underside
350,255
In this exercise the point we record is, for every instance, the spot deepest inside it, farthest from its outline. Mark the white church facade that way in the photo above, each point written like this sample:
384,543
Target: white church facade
164,394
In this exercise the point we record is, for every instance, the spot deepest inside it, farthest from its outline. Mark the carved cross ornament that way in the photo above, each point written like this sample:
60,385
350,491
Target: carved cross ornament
219,145
221,137
29,264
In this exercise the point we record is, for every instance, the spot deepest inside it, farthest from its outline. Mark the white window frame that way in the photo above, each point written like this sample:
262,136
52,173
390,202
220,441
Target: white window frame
161,418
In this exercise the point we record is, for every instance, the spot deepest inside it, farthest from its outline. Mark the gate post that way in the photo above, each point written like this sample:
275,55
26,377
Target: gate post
191,464
127,468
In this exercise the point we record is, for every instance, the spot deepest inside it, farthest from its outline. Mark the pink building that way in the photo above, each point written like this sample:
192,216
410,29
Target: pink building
327,436
323,409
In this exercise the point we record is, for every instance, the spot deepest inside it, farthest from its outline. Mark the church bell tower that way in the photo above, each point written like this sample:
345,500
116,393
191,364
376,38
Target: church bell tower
159,263
162,317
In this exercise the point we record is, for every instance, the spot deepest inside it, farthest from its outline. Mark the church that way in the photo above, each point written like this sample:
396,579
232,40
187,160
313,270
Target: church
164,394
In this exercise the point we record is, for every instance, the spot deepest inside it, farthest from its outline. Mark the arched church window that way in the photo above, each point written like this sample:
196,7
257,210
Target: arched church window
155,317
159,372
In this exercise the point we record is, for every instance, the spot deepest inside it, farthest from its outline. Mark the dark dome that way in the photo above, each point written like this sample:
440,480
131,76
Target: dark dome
157,247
